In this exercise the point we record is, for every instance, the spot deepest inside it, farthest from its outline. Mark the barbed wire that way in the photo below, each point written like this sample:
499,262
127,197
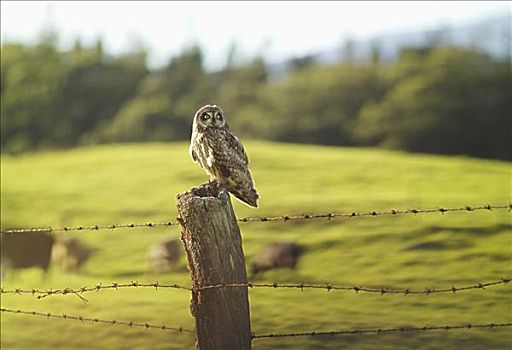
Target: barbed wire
328,287
96,288
275,285
329,216
96,320
92,227
383,330
390,212
148,326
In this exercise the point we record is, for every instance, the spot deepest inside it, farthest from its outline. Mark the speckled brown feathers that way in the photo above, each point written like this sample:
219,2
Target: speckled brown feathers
221,154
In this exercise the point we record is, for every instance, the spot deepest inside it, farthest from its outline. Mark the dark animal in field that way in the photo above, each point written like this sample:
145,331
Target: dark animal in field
70,254
275,255
24,250
164,256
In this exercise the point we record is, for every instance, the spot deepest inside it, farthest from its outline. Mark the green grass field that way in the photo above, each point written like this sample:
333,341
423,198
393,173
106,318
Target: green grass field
139,183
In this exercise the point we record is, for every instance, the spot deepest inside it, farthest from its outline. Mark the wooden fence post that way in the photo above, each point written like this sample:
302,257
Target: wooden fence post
213,244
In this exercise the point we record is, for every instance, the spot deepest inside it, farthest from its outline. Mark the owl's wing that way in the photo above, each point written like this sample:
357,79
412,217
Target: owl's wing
230,155
193,154
232,162
234,143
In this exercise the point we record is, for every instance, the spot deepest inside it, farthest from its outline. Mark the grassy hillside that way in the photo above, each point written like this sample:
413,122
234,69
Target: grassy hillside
139,183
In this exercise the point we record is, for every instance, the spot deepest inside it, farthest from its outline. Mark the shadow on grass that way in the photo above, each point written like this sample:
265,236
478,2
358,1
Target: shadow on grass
481,230
426,232
439,245
120,274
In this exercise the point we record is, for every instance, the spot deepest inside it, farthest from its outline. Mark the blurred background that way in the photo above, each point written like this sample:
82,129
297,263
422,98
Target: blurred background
342,107
417,76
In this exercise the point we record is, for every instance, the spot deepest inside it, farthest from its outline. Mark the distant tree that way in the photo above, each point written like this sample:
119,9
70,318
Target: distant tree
348,51
301,62
77,47
433,99
375,54
143,118
451,101
98,49
438,37
93,91
232,56
30,86
318,105
238,91
164,104
52,98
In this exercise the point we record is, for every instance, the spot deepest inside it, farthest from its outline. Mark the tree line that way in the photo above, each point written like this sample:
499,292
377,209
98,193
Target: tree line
437,99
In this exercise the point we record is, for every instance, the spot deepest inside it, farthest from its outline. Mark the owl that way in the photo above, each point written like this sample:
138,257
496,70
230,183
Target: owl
221,154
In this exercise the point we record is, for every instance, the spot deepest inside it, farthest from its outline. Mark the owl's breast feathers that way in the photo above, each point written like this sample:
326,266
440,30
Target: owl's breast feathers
223,157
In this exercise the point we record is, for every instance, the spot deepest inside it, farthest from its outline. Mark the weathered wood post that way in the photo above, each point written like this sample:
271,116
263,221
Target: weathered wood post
213,245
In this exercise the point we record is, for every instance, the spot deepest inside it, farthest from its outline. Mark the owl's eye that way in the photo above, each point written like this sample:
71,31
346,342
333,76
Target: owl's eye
206,116
218,116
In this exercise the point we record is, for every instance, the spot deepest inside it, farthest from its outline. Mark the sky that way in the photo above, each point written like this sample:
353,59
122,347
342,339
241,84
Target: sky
277,30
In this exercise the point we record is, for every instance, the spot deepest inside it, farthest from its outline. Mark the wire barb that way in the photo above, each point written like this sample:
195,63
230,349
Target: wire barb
97,320
328,216
380,331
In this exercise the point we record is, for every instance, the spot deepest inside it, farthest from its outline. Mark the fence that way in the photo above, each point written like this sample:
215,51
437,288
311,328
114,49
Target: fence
328,287
219,282
329,216
256,336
